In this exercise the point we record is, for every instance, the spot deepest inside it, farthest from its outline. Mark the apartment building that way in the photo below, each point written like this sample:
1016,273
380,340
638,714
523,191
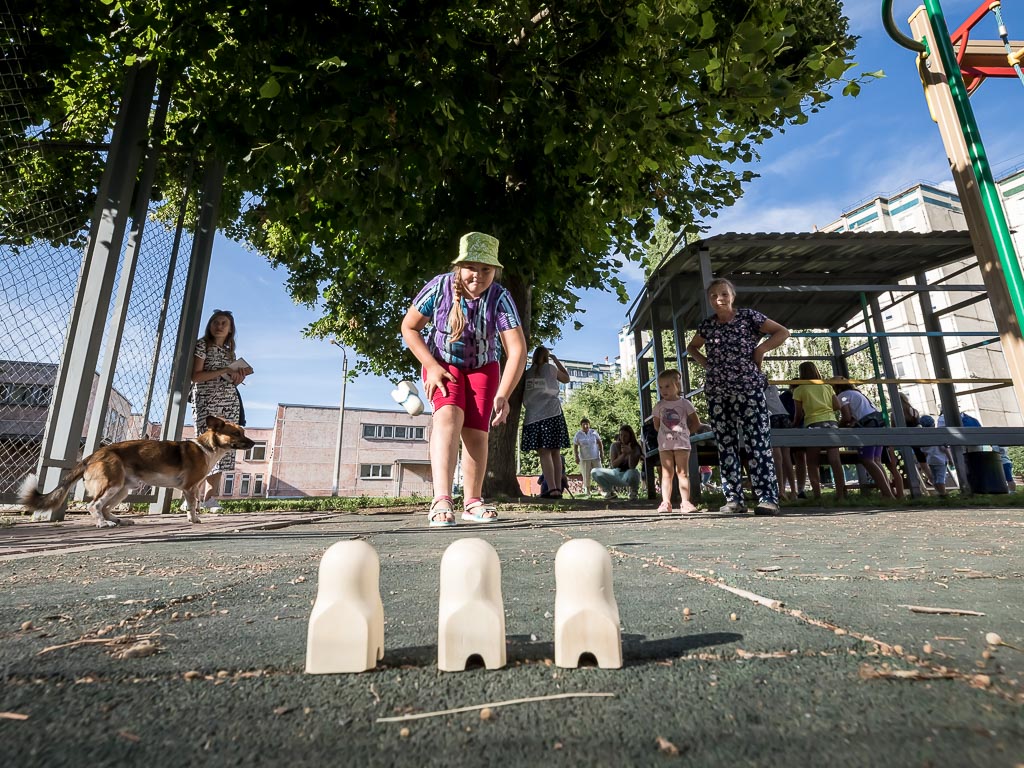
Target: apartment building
582,373
626,361
927,208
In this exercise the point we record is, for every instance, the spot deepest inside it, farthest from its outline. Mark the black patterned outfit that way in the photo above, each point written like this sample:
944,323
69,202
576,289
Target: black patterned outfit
734,387
218,397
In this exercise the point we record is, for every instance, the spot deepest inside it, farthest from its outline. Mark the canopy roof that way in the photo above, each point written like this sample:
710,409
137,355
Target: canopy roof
801,280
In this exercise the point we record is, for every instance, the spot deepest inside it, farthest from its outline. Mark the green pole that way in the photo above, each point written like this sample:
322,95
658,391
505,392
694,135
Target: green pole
979,160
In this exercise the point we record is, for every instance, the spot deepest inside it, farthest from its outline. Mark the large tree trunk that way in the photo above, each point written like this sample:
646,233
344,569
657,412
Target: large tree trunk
501,479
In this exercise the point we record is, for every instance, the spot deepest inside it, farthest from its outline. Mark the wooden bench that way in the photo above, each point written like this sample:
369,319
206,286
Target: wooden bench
850,439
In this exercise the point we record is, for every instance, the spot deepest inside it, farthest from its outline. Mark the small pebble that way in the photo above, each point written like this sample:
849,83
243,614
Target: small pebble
733,617
26,626
404,733
926,648
486,714
193,675
986,654
898,649
687,612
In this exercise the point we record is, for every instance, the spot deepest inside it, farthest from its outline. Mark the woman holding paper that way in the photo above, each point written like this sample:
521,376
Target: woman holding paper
216,374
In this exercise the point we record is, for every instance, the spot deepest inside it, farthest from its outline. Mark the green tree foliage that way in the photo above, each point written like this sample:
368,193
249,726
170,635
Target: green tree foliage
363,138
607,404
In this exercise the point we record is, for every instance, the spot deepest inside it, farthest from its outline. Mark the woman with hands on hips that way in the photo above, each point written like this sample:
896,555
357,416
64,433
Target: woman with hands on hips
736,343
470,314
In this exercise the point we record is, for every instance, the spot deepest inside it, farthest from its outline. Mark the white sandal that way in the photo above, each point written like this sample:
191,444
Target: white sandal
439,516
479,511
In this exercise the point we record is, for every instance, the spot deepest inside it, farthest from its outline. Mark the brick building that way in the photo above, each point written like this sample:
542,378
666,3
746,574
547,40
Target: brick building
384,453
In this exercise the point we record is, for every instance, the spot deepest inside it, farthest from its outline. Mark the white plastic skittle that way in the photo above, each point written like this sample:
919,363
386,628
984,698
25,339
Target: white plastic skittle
471,616
346,627
586,614
407,396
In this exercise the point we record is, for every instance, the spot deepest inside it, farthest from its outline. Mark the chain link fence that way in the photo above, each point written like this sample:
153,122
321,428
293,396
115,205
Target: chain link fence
49,175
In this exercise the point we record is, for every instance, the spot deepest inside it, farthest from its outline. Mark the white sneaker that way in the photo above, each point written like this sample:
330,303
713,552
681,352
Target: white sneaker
211,505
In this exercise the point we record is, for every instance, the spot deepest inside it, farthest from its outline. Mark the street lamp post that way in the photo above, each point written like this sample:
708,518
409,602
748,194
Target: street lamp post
341,419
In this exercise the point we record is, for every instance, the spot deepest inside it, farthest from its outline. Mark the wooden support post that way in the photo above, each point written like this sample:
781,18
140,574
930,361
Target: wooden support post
943,110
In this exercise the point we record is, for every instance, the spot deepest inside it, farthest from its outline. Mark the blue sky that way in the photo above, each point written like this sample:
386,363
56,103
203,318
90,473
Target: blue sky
853,150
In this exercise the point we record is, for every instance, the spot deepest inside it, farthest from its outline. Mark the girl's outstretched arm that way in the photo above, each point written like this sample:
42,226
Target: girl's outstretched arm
436,376
515,351
693,423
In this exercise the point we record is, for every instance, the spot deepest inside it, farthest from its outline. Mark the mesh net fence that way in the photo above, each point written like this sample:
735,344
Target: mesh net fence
49,175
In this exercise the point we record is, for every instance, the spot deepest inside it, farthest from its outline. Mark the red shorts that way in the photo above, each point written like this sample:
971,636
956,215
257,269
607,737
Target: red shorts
472,391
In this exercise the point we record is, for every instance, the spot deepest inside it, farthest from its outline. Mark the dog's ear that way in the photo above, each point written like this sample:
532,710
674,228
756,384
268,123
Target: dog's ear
214,422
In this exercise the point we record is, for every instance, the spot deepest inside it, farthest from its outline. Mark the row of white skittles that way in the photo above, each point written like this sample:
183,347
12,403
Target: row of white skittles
346,628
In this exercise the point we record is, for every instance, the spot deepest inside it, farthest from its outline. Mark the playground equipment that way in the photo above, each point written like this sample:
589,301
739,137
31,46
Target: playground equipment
951,68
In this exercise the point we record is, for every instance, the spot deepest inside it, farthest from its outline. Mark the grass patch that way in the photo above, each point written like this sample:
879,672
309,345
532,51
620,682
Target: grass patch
313,504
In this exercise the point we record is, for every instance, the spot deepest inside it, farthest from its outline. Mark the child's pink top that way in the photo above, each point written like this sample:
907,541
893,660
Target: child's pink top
673,434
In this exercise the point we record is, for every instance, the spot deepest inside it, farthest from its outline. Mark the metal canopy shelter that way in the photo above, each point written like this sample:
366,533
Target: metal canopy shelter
810,280
832,282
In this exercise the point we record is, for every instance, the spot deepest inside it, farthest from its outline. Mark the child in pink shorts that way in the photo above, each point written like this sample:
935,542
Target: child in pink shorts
469,313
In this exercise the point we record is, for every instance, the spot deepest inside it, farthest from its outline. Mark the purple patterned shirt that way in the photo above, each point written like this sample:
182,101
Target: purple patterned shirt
486,317
729,348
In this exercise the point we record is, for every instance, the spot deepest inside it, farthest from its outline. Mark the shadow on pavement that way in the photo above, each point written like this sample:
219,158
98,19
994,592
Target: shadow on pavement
636,650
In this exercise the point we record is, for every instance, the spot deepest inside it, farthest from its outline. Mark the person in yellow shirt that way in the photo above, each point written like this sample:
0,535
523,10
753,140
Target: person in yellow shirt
817,405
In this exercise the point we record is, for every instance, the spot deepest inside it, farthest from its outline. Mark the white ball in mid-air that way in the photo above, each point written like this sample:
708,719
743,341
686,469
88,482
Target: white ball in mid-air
407,396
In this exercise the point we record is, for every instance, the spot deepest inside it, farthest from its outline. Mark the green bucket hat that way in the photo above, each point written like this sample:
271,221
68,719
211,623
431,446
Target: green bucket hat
480,248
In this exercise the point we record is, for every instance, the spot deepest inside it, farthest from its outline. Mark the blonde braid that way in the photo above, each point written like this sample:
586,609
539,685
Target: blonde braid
456,318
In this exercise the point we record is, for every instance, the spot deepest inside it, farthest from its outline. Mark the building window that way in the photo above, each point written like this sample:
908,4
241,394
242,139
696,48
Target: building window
243,486
37,395
258,452
901,370
391,432
229,484
115,427
257,486
374,471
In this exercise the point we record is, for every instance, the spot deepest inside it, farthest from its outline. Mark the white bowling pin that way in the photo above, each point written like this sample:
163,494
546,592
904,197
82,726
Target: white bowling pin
471,616
346,627
586,614
407,396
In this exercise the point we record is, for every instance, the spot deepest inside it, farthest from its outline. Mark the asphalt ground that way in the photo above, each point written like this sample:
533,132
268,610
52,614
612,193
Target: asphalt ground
842,673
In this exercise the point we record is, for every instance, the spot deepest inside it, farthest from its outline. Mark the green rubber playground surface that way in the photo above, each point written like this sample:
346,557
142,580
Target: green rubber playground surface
842,673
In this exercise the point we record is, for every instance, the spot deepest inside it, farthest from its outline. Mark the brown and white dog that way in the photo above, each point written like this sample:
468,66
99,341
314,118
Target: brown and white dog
112,472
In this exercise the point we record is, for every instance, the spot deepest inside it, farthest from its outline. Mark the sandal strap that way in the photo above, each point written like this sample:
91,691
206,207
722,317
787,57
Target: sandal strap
437,511
477,503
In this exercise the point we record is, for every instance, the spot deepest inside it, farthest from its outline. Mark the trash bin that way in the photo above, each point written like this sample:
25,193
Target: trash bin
985,472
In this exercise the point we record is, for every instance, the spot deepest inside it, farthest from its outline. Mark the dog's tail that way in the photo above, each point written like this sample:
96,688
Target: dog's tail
33,500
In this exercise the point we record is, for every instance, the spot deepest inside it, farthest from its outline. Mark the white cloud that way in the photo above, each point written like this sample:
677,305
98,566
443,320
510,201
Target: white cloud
754,215
803,156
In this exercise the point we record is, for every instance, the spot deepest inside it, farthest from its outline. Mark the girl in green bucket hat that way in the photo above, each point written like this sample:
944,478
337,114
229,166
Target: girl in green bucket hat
469,314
